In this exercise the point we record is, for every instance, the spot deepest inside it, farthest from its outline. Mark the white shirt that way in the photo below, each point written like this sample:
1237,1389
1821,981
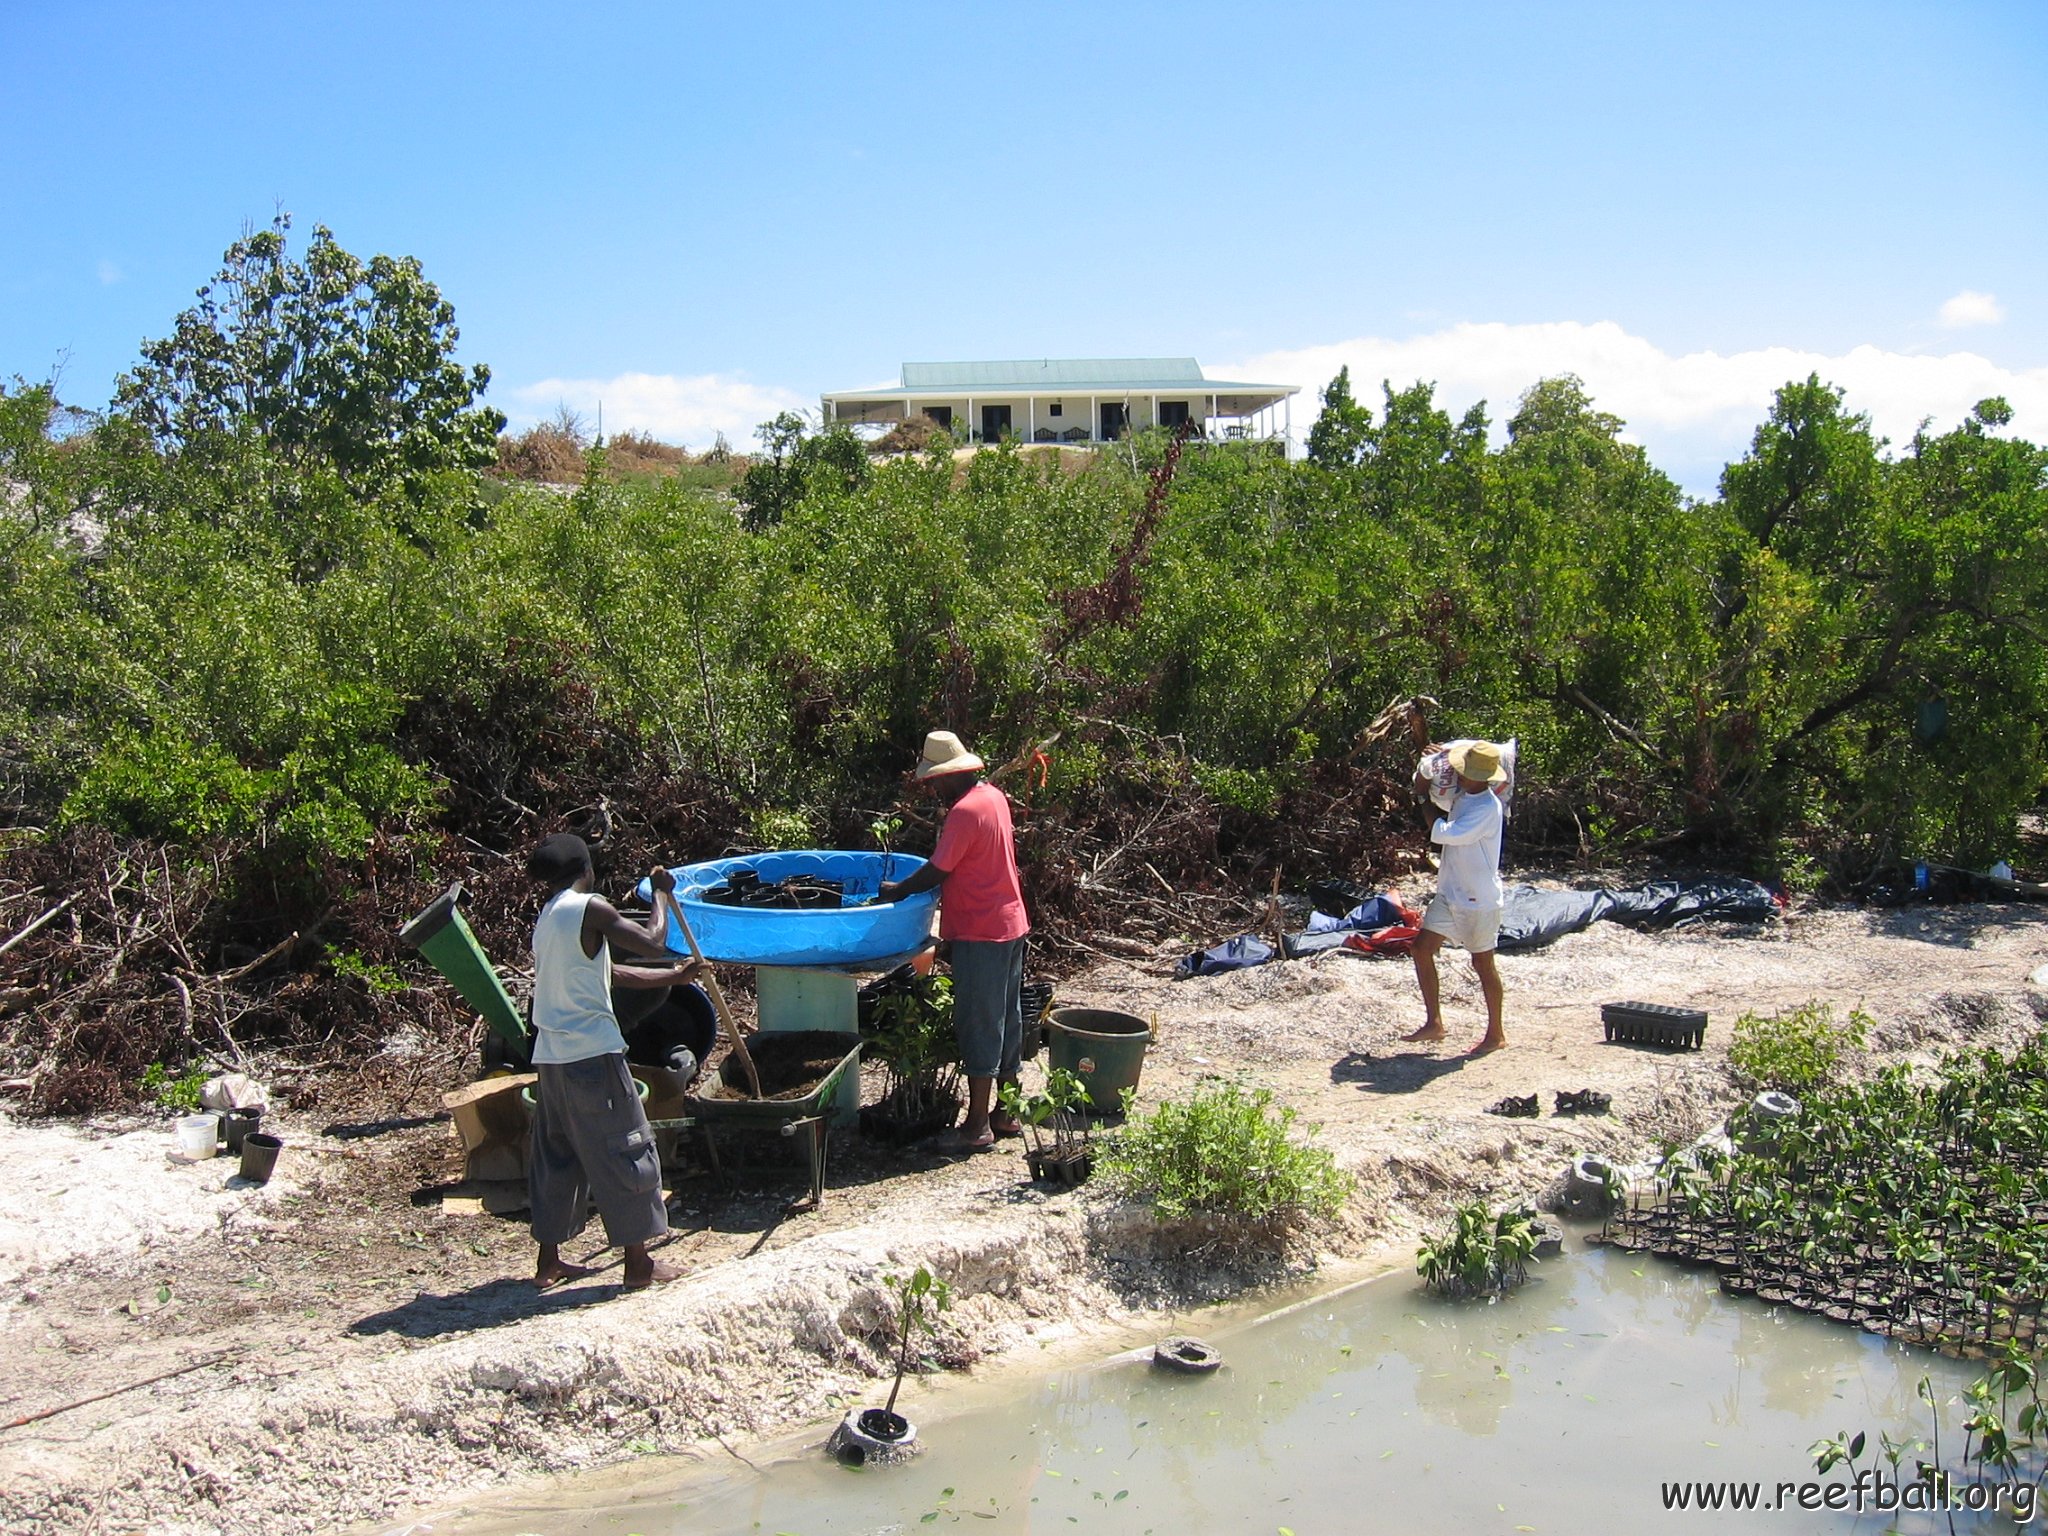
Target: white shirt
1468,875
572,991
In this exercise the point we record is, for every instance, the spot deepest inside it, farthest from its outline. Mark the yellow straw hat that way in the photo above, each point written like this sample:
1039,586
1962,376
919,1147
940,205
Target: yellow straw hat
1478,760
945,753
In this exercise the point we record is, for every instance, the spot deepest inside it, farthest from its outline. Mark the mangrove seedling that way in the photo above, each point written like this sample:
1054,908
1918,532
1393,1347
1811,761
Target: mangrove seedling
1481,1253
924,1296
912,1040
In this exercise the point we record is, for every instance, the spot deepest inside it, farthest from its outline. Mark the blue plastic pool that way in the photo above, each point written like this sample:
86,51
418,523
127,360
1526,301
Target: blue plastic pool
850,935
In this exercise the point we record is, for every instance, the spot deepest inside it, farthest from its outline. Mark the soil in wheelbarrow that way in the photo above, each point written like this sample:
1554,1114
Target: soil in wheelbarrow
792,1064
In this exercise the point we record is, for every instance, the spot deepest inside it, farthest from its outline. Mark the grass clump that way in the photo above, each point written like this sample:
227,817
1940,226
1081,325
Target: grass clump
1224,1152
1798,1051
1481,1253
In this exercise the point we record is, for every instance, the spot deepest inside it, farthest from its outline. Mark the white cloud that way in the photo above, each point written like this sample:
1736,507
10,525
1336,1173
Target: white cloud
1972,308
687,410
1693,412
110,274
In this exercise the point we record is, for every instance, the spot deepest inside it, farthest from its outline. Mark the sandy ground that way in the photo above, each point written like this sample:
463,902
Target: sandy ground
363,1353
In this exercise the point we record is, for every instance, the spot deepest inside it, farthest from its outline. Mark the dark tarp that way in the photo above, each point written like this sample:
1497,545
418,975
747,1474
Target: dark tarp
1530,918
1671,903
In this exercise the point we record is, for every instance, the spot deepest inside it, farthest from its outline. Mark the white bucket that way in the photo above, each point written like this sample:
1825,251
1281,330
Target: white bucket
198,1135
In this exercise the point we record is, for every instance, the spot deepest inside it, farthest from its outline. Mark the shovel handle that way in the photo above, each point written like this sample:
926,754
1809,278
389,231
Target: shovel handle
732,1032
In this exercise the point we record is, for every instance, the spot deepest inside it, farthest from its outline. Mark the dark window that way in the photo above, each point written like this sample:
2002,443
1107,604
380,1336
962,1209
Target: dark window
942,414
1173,413
1055,408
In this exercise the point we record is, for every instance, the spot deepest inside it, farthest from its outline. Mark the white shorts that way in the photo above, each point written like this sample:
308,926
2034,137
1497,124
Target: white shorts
1473,929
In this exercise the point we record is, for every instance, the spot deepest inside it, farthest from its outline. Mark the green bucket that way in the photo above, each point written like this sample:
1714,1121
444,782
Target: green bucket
441,934
1102,1047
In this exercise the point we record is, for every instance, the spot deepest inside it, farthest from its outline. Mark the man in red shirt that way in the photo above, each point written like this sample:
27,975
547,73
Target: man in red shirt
981,918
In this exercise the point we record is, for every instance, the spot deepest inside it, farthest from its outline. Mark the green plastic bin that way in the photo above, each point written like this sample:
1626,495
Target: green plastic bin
1103,1047
441,934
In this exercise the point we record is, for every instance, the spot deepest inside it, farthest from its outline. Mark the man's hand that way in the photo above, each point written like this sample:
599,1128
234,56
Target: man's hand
661,879
889,890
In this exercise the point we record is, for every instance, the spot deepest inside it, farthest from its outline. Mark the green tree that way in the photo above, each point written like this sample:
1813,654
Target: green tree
1344,428
796,460
331,362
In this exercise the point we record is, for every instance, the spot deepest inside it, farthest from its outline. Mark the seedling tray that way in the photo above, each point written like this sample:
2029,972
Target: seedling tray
1654,1024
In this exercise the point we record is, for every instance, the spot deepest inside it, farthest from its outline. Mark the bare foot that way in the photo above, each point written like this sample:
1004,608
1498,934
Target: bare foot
1426,1033
556,1272
648,1272
1489,1045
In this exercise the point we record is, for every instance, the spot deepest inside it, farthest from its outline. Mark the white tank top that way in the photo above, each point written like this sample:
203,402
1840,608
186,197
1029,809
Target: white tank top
572,992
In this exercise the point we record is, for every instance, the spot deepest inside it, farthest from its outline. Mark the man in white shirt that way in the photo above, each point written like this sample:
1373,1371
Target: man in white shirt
590,1142
1466,911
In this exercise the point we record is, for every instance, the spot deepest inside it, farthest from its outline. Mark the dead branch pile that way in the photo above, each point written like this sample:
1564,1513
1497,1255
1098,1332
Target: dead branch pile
116,953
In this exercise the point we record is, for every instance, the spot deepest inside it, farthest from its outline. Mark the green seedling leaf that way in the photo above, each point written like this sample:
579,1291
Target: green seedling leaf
163,1294
1121,1495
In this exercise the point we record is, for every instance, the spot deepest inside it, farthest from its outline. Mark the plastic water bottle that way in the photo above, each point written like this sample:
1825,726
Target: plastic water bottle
1920,875
2001,870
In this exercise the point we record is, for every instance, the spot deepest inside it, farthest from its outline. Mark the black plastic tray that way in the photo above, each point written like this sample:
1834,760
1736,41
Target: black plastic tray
1654,1024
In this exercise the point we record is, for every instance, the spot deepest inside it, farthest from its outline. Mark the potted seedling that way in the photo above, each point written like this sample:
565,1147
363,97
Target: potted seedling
908,1022
882,1434
1056,1123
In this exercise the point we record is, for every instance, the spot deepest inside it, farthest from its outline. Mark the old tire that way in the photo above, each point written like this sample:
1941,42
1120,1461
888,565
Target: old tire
1190,1357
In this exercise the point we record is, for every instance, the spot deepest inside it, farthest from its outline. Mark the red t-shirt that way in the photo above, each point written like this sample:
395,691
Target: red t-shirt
981,899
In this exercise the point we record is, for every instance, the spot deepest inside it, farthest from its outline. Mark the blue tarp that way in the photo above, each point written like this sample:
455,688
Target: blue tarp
1232,955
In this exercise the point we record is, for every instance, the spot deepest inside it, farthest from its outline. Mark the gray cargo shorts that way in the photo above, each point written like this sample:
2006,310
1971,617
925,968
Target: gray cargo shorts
988,1006
590,1143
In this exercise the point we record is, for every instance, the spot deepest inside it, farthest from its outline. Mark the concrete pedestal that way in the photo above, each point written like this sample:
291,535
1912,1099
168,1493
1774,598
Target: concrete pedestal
798,997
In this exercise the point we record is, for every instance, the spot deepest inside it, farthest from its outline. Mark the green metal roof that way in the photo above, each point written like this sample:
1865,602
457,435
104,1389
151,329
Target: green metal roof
1063,375
1058,373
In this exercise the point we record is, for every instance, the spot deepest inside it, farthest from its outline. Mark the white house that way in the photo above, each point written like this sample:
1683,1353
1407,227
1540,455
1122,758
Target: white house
1070,400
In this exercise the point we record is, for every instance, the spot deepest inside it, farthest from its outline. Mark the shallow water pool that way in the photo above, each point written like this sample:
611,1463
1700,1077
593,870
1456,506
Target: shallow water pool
1564,1408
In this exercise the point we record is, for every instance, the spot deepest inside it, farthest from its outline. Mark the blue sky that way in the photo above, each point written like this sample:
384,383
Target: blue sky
699,213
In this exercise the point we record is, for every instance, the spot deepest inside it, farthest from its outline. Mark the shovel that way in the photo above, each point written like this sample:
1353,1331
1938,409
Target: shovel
732,1030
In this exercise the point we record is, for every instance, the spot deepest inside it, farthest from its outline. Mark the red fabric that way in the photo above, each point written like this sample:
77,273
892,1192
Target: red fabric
1398,940
981,900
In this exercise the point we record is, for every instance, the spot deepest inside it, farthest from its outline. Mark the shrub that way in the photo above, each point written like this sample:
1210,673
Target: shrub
1224,1152
1797,1051
178,1094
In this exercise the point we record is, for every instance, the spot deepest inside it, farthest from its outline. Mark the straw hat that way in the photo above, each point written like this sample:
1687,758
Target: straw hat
1478,760
945,753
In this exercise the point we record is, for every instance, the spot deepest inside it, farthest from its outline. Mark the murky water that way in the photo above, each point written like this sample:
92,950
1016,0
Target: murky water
1563,1408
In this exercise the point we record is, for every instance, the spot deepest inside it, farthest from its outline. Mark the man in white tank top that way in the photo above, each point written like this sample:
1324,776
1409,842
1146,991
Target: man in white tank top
590,1142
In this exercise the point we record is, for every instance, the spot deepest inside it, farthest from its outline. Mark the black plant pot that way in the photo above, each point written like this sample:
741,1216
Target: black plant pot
879,1123
259,1156
1049,1168
884,1425
238,1123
